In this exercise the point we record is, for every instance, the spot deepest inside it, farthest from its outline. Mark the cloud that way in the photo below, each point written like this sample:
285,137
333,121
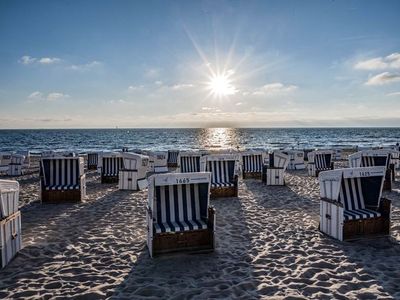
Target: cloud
118,101
26,60
393,94
239,103
54,96
152,73
273,89
85,67
391,61
182,86
135,87
211,109
48,60
158,82
383,78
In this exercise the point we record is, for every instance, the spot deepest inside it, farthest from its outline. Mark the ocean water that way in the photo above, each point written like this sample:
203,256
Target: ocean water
210,138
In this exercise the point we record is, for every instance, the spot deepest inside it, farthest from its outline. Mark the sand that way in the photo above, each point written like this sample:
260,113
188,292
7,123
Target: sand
267,246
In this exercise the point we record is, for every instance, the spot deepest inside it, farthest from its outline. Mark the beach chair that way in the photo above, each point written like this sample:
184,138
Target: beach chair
132,175
188,162
112,162
224,174
252,164
62,179
5,160
16,165
351,205
179,217
92,160
10,221
274,171
172,160
371,158
320,160
296,159
158,161
27,161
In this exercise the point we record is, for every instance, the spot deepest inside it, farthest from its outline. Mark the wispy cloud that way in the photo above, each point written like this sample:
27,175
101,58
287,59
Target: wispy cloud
152,73
391,61
393,94
182,86
273,89
117,101
85,67
51,97
383,78
28,60
135,87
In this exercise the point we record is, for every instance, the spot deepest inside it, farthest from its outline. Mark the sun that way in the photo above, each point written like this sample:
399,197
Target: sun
220,85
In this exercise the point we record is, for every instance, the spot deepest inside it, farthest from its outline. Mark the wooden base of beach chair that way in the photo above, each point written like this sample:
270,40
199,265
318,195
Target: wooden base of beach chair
389,177
252,175
109,179
369,227
187,241
223,192
172,165
62,196
92,167
10,238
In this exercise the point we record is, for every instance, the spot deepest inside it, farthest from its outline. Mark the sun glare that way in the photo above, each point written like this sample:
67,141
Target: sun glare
220,85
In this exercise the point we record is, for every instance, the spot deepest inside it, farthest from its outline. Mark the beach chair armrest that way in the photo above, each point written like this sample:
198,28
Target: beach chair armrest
385,207
211,217
331,201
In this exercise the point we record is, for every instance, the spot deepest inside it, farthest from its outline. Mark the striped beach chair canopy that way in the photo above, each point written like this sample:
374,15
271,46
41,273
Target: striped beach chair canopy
61,173
9,197
93,158
253,161
179,201
172,157
359,190
189,161
278,159
223,168
321,158
370,158
134,161
112,162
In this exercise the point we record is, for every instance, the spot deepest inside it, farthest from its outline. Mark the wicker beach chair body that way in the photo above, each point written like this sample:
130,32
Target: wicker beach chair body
62,179
274,170
371,158
132,175
179,217
172,159
15,168
351,205
252,163
112,162
296,159
27,161
158,161
188,162
224,170
5,160
320,160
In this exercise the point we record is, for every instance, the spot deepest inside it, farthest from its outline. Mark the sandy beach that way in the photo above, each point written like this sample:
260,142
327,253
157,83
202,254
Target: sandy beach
267,246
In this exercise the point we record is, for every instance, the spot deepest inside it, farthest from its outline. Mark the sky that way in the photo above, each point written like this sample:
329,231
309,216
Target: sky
103,64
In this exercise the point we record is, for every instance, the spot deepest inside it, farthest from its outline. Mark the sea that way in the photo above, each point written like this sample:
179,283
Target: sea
83,140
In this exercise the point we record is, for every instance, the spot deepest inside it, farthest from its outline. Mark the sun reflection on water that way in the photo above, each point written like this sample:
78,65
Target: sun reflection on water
219,138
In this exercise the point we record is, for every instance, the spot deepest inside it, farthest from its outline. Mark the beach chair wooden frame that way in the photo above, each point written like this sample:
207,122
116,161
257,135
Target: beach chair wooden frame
318,161
10,238
351,205
9,198
274,171
296,159
62,179
224,170
111,164
188,162
370,158
172,159
252,164
133,171
179,217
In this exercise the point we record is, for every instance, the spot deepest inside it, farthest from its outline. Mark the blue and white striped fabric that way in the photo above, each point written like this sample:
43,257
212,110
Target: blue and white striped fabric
322,161
372,161
180,207
93,159
222,172
60,174
189,164
352,196
111,166
172,157
252,163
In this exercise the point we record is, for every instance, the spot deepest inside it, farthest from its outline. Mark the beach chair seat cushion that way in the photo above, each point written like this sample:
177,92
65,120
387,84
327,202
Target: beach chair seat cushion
180,208
61,187
360,214
222,184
